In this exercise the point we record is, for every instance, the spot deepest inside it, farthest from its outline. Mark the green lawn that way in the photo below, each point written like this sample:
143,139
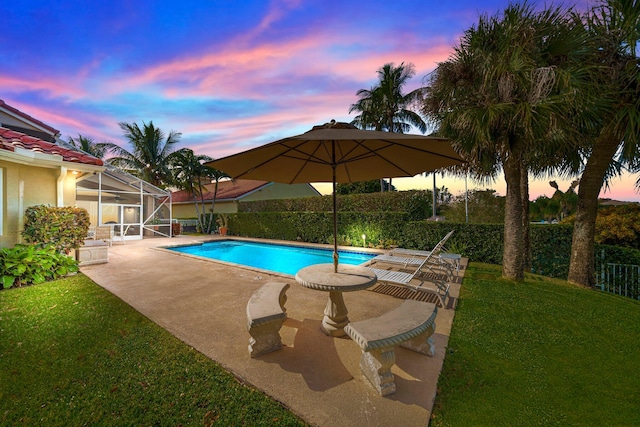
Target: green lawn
541,352
71,353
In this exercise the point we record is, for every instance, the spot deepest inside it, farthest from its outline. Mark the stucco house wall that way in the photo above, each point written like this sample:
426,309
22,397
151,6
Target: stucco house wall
188,210
24,186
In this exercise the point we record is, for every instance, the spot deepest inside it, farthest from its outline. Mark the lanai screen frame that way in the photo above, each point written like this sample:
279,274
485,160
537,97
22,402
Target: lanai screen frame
136,193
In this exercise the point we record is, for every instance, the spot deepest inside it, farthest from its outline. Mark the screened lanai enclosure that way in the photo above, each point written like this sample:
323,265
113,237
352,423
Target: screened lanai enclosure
134,208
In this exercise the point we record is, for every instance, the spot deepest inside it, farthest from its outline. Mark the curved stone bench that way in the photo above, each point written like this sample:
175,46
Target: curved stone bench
265,316
409,325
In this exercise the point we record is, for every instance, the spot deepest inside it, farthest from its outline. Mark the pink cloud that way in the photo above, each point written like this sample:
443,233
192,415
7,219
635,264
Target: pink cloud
234,135
66,88
265,70
277,10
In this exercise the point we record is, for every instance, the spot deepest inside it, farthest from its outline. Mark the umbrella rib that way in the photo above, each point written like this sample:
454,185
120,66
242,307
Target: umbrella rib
422,150
374,153
309,158
284,154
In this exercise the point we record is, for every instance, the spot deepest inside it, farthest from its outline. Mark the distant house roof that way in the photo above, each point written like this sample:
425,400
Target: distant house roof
10,140
227,190
25,117
610,202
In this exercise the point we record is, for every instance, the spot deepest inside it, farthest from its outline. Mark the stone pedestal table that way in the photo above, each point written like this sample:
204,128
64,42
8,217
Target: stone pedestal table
349,278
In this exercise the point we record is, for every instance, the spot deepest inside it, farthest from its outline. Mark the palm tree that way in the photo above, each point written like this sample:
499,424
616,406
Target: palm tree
215,175
87,145
614,30
189,174
385,107
152,152
503,98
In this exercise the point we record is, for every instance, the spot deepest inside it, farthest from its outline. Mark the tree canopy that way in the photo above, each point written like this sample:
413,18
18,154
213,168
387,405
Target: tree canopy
151,155
503,98
385,107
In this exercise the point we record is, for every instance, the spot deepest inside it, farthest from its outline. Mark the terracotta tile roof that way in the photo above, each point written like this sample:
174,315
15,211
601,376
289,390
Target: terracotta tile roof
10,139
28,117
226,190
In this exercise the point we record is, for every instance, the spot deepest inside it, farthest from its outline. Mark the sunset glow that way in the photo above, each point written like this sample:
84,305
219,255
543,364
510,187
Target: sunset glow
228,75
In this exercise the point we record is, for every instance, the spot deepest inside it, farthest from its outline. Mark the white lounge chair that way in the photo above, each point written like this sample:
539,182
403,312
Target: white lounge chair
411,258
402,278
417,253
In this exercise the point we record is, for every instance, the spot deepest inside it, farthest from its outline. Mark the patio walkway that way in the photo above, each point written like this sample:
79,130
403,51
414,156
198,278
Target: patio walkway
316,376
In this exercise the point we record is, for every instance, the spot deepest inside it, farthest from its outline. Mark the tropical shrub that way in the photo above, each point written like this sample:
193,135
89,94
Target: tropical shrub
32,264
616,225
62,228
619,226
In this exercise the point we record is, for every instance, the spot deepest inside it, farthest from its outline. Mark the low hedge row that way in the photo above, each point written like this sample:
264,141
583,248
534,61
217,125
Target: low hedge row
550,244
317,227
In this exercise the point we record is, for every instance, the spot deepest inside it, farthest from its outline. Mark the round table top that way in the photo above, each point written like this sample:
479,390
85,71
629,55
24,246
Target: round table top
322,277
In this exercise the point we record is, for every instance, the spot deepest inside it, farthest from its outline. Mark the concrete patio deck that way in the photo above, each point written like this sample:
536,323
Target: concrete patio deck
318,377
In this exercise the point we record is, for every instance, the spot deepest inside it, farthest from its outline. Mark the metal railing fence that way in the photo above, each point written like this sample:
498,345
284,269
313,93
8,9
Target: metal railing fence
620,279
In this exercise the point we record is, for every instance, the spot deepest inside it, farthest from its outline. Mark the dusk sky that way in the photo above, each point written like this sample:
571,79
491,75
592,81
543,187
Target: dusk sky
228,75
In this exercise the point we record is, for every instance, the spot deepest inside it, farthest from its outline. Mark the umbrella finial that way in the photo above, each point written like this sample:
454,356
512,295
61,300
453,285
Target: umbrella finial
334,125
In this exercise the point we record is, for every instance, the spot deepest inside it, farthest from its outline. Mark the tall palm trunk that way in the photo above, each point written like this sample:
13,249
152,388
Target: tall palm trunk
213,205
526,234
198,217
582,263
201,215
512,265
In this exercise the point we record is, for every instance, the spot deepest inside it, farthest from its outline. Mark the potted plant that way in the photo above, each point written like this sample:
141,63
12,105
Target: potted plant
223,224
176,229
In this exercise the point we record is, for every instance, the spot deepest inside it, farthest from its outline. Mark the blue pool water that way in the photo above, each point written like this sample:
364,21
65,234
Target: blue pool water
279,258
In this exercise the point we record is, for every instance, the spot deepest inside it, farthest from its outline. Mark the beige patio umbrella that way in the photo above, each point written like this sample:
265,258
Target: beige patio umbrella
340,153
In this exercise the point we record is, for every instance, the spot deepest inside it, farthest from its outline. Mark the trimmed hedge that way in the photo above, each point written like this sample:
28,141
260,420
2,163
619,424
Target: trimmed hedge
550,244
617,255
551,249
63,228
317,227
416,203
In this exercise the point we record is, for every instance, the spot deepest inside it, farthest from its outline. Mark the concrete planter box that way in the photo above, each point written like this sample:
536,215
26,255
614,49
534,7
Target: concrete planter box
93,252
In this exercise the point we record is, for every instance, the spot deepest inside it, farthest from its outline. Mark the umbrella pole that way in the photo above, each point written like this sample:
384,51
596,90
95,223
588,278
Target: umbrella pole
335,225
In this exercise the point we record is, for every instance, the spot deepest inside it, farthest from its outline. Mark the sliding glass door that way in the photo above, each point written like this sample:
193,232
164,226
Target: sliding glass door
126,220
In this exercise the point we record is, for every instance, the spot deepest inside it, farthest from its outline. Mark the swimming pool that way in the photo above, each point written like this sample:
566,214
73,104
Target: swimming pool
286,259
